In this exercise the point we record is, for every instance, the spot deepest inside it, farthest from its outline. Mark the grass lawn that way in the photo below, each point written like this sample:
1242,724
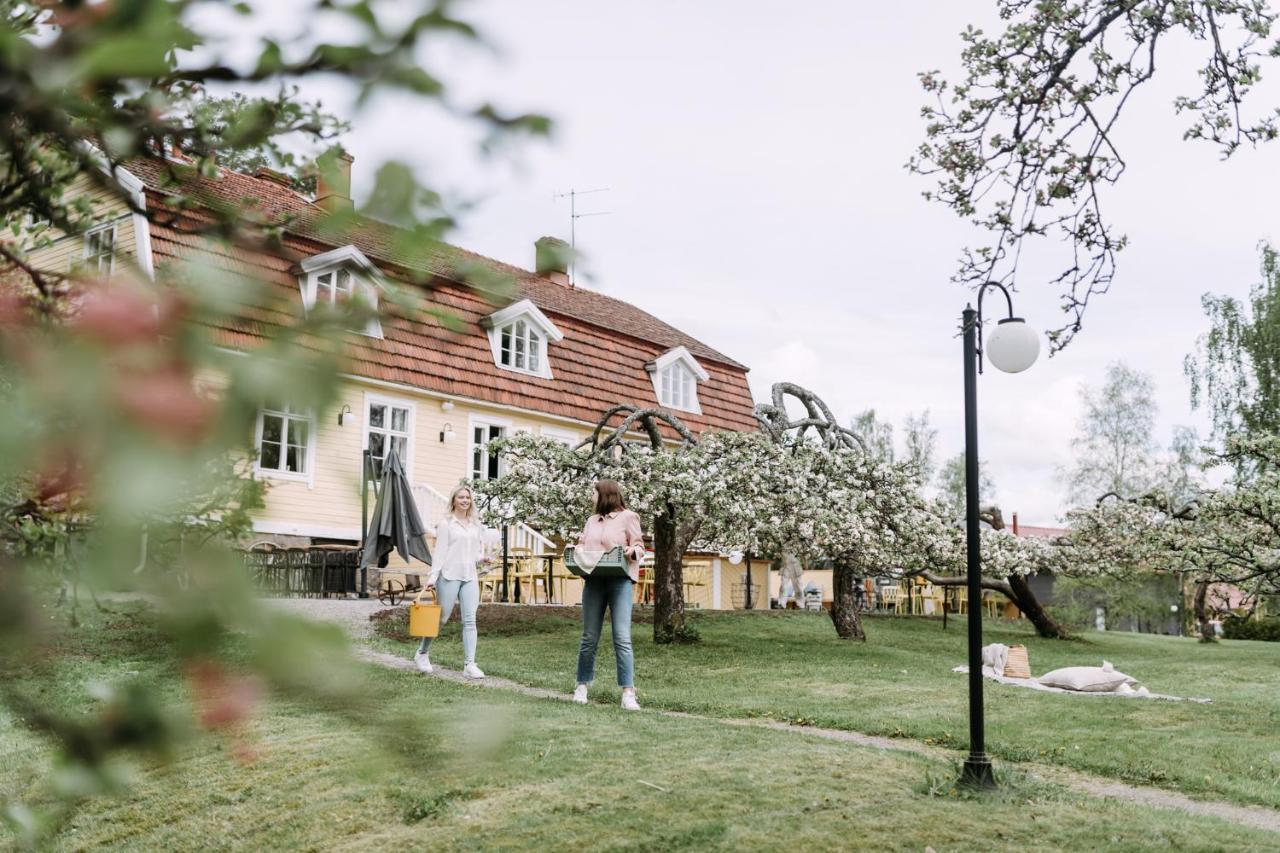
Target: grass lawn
790,665
504,771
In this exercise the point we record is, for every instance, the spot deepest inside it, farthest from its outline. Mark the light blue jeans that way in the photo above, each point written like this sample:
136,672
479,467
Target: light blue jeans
468,594
616,594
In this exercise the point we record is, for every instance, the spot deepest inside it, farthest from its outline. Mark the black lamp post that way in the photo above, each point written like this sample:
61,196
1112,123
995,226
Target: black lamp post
1012,347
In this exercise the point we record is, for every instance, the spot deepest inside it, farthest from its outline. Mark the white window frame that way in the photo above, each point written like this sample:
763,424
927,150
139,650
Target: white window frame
475,421
566,437
96,259
507,320
669,364
307,476
363,276
371,400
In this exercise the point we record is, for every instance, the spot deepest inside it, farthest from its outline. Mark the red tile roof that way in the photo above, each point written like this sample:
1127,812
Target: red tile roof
599,364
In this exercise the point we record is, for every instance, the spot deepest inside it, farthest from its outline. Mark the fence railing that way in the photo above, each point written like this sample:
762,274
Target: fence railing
305,572
433,507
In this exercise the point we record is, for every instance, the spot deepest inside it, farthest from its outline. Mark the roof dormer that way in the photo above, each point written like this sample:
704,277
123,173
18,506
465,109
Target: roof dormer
519,335
333,277
676,374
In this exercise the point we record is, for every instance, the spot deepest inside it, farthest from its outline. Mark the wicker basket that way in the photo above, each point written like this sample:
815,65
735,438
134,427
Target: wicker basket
1017,665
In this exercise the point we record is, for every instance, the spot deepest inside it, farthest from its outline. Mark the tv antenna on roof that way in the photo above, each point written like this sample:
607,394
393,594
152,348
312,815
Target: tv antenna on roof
574,216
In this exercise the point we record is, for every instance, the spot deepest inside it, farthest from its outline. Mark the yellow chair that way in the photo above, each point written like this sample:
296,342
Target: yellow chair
961,599
529,577
489,586
695,577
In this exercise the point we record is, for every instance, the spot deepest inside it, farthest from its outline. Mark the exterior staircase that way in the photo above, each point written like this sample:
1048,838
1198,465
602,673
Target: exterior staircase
433,506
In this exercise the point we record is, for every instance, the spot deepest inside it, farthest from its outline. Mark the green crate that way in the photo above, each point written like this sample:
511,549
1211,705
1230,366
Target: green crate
612,565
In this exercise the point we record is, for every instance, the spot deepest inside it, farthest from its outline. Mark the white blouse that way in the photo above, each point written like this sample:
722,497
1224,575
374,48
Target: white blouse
459,547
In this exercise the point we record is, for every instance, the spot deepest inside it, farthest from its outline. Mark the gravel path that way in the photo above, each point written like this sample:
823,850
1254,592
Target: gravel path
351,613
354,615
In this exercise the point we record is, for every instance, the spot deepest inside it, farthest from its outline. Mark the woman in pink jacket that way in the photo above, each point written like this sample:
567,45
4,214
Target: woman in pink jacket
611,525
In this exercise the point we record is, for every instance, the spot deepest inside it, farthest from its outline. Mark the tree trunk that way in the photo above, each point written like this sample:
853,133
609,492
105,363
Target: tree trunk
844,603
1046,625
1020,593
1016,589
669,543
1200,606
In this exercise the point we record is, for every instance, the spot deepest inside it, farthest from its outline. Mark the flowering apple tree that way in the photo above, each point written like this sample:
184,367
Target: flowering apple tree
1230,535
676,485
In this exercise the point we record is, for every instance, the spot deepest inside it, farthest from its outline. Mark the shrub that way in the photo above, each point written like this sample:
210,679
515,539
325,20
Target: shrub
1244,628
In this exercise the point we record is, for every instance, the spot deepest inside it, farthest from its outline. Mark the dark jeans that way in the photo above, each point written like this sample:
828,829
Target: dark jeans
616,594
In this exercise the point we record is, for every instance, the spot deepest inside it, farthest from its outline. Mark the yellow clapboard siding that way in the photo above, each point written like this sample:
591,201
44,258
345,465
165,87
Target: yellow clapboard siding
65,251
330,498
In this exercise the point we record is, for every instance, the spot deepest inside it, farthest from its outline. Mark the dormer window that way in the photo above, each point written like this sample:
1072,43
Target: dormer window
676,387
335,278
520,346
676,374
334,287
519,336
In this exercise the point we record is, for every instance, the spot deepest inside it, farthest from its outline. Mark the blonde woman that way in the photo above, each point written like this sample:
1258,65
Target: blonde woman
460,540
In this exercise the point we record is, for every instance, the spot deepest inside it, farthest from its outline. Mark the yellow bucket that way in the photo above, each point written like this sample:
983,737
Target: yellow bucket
424,619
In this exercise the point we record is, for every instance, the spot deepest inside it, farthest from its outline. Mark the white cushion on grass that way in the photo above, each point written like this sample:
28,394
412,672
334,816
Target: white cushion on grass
1086,679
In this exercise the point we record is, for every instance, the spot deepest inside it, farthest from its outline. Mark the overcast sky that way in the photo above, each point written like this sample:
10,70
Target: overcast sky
757,200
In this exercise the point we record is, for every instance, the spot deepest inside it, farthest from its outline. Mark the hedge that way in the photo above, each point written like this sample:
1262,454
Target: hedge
1242,628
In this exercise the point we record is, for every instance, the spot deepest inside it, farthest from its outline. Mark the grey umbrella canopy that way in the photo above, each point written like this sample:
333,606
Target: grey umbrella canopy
396,524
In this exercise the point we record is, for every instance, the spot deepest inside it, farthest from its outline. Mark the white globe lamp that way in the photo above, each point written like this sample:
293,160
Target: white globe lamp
1012,346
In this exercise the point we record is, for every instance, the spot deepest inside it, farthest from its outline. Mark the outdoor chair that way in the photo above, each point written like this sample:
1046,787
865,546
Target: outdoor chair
925,603
891,598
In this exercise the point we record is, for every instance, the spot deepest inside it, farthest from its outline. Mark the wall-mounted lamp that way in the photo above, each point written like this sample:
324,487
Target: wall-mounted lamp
447,405
735,558
446,434
345,416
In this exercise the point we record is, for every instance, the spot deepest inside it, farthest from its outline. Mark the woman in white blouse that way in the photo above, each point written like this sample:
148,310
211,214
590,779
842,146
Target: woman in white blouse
460,541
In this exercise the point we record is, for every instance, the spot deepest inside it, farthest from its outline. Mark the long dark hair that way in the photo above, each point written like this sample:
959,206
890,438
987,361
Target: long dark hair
608,497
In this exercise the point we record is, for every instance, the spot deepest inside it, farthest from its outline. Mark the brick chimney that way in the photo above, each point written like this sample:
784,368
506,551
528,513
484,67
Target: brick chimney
551,257
1015,524
333,186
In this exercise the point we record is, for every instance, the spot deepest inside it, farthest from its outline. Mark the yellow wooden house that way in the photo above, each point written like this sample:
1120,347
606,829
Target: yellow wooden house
548,360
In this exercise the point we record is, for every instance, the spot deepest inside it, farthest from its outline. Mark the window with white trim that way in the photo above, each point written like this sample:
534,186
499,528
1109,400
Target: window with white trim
387,426
520,347
564,436
485,464
334,287
520,336
335,278
100,250
676,375
284,439
677,387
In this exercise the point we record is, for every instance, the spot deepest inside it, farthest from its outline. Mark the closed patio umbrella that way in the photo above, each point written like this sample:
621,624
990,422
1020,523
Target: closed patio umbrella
396,524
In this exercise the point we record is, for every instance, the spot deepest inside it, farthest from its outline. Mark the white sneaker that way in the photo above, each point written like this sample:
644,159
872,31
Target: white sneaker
423,661
580,694
472,671
629,702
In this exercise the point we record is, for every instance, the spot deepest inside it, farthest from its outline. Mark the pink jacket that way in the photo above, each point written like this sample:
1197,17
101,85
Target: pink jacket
609,531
